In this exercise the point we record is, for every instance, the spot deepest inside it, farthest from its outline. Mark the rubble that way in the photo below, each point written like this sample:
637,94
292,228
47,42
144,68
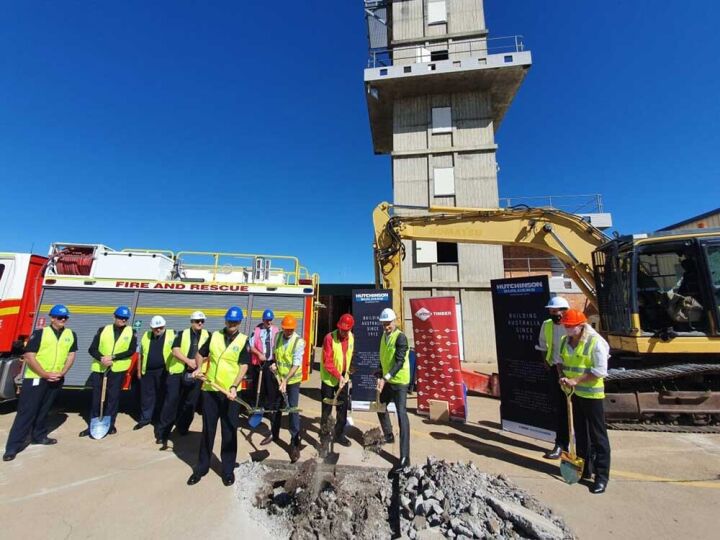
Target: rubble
433,500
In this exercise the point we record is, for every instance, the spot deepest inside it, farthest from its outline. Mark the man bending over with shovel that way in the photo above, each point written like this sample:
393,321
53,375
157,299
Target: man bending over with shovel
338,348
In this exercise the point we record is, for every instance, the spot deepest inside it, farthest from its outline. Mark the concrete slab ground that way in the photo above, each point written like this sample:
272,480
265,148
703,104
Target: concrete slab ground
662,485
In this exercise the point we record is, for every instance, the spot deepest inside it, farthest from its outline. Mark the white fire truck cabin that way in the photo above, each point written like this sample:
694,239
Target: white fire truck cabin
92,280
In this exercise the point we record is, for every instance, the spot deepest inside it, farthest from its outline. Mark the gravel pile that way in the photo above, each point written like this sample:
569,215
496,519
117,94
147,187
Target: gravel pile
435,500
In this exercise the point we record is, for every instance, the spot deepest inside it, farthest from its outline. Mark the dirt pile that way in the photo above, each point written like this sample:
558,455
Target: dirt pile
437,499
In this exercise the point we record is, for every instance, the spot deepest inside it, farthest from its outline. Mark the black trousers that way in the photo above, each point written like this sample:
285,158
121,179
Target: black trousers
327,391
559,402
34,404
217,407
190,391
251,379
169,413
270,392
112,396
151,386
591,434
397,394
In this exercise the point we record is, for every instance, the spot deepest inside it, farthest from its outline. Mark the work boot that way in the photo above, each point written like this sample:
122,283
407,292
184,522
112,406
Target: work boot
389,438
555,453
228,479
84,433
112,431
343,440
598,487
46,441
9,456
267,440
140,425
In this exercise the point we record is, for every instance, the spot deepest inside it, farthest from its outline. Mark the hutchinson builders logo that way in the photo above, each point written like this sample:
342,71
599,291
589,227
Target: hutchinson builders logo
423,314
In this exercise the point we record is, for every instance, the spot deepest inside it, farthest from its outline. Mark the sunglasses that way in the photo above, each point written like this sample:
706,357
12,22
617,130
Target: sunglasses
198,321
125,319
61,318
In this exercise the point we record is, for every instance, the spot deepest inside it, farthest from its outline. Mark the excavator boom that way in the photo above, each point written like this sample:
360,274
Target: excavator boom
566,236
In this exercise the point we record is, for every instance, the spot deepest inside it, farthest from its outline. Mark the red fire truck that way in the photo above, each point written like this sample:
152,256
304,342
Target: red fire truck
93,279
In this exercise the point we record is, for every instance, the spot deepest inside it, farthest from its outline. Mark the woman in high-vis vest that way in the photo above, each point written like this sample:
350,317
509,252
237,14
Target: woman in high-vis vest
49,355
338,347
551,332
287,369
156,360
112,349
222,364
585,355
393,383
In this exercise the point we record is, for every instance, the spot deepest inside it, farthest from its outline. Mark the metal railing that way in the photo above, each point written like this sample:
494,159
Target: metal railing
226,263
533,264
418,53
574,204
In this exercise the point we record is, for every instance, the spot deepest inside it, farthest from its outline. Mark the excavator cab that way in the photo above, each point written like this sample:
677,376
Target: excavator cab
660,286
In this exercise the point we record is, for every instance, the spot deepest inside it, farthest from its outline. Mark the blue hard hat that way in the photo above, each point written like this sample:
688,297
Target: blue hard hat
268,315
122,311
59,310
234,314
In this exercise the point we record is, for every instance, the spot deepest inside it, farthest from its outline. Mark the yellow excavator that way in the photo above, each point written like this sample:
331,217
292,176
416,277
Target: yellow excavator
657,296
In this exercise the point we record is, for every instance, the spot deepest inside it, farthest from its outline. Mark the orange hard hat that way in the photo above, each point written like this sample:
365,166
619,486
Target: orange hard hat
573,317
288,323
346,322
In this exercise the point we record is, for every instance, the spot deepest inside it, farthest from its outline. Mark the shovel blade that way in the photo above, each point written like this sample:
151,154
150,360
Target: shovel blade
377,407
571,468
256,419
99,427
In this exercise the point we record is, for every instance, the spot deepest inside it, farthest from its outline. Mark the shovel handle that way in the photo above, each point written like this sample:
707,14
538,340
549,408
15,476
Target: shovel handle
103,392
571,426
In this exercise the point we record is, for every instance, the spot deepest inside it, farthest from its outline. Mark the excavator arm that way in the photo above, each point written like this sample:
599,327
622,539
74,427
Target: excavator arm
566,236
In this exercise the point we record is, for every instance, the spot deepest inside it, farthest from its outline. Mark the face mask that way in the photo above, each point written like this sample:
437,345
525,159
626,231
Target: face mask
556,318
573,331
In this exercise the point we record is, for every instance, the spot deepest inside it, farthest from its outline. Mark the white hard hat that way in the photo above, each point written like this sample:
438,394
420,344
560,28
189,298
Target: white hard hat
558,302
387,315
157,322
197,315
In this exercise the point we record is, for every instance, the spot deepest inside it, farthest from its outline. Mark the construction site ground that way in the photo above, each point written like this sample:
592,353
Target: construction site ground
663,485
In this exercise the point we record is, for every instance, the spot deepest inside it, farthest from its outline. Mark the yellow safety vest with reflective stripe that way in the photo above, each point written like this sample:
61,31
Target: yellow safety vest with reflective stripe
185,340
387,358
325,375
172,364
284,357
53,352
578,363
109,347
223,366
547,328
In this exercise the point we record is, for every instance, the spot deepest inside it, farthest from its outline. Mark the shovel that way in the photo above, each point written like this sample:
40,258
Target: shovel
571,466
376,406
244,404
288,409
334,401
257,412
100,425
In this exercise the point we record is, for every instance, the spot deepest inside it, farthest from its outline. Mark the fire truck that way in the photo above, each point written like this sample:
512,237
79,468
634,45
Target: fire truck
93,279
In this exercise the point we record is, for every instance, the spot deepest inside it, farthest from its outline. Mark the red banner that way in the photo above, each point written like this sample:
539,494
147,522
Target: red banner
437,372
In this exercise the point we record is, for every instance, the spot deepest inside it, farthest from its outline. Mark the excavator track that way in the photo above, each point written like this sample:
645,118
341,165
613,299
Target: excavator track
662,428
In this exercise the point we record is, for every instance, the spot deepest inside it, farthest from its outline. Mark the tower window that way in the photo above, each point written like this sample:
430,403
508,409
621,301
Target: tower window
439,55
447,252
441,120
436,12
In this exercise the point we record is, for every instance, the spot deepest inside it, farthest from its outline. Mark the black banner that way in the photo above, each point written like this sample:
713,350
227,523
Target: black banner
525,384
366,307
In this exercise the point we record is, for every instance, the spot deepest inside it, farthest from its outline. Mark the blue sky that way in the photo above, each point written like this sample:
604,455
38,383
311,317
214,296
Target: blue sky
229,126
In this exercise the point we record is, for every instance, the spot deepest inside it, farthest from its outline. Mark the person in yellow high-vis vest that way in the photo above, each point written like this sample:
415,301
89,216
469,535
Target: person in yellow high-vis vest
222,363
549,337
338,347
286,366
394,381
49,355
585,358
112,349
182,390
156,360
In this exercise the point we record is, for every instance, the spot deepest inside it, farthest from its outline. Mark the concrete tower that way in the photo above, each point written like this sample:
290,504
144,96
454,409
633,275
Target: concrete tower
437,89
